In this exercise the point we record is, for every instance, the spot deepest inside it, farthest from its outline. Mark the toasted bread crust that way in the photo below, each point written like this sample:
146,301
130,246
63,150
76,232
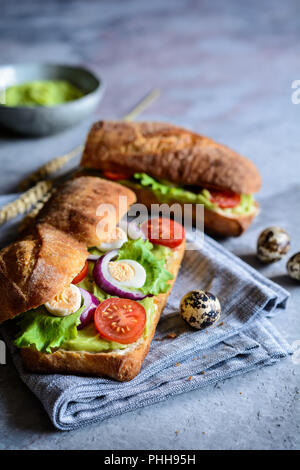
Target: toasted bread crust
232,225
73,209
168,152
122,367
39,265
32,270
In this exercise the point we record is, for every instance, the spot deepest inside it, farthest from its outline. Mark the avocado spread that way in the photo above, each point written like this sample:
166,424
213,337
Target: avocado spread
42,93
88,339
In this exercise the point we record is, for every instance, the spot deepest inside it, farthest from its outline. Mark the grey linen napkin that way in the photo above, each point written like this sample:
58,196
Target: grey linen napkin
243,340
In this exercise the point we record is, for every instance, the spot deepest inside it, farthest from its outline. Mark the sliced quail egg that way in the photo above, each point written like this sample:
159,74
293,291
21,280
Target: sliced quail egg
133,230
127,273
200,309
293,266
114,241
66,302
272,244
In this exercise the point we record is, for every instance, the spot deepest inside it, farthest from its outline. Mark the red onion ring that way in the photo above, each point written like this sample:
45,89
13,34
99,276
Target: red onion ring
91,303
107,286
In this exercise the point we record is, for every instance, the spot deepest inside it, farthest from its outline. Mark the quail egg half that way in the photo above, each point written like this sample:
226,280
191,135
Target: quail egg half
272,244
293,266
200,309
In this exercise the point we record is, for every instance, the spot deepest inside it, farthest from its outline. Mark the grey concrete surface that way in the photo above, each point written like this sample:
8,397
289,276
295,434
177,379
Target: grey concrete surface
225,69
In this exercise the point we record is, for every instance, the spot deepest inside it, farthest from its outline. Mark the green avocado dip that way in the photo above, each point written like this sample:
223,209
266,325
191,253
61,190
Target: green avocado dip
42,93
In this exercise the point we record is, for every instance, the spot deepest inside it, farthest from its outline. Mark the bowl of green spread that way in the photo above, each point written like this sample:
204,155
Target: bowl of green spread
43,99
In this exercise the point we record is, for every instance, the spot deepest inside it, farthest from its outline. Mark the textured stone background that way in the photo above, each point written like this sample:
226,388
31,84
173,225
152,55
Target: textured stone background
225,69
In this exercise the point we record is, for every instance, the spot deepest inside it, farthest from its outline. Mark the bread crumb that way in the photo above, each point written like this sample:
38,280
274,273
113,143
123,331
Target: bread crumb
241,393
221,324
202,373
190,377
178,364
172,335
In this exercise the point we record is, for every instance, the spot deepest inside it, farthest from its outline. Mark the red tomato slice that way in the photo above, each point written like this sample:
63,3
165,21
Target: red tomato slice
120,320
163,231
225,199
81,275
116,176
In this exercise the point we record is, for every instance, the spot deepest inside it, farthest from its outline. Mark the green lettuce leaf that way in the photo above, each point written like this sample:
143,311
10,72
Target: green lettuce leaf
99,293
166,191
45,331
157,277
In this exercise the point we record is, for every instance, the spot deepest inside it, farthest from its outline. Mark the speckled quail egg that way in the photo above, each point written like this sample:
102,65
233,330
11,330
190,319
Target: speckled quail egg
200,309
293,266
272,244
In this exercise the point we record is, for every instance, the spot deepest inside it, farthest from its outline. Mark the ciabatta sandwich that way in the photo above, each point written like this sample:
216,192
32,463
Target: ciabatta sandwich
163,163
83,299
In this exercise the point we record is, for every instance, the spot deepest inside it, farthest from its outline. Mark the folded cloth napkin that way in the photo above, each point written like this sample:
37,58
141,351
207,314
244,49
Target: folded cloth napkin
243,340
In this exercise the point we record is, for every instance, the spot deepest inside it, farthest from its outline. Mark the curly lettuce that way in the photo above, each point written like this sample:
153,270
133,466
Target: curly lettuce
157,277
166,191
45,332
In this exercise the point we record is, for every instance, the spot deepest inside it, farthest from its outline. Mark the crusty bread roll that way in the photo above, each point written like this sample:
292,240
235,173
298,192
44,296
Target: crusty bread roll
168,152
34,269
73,209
